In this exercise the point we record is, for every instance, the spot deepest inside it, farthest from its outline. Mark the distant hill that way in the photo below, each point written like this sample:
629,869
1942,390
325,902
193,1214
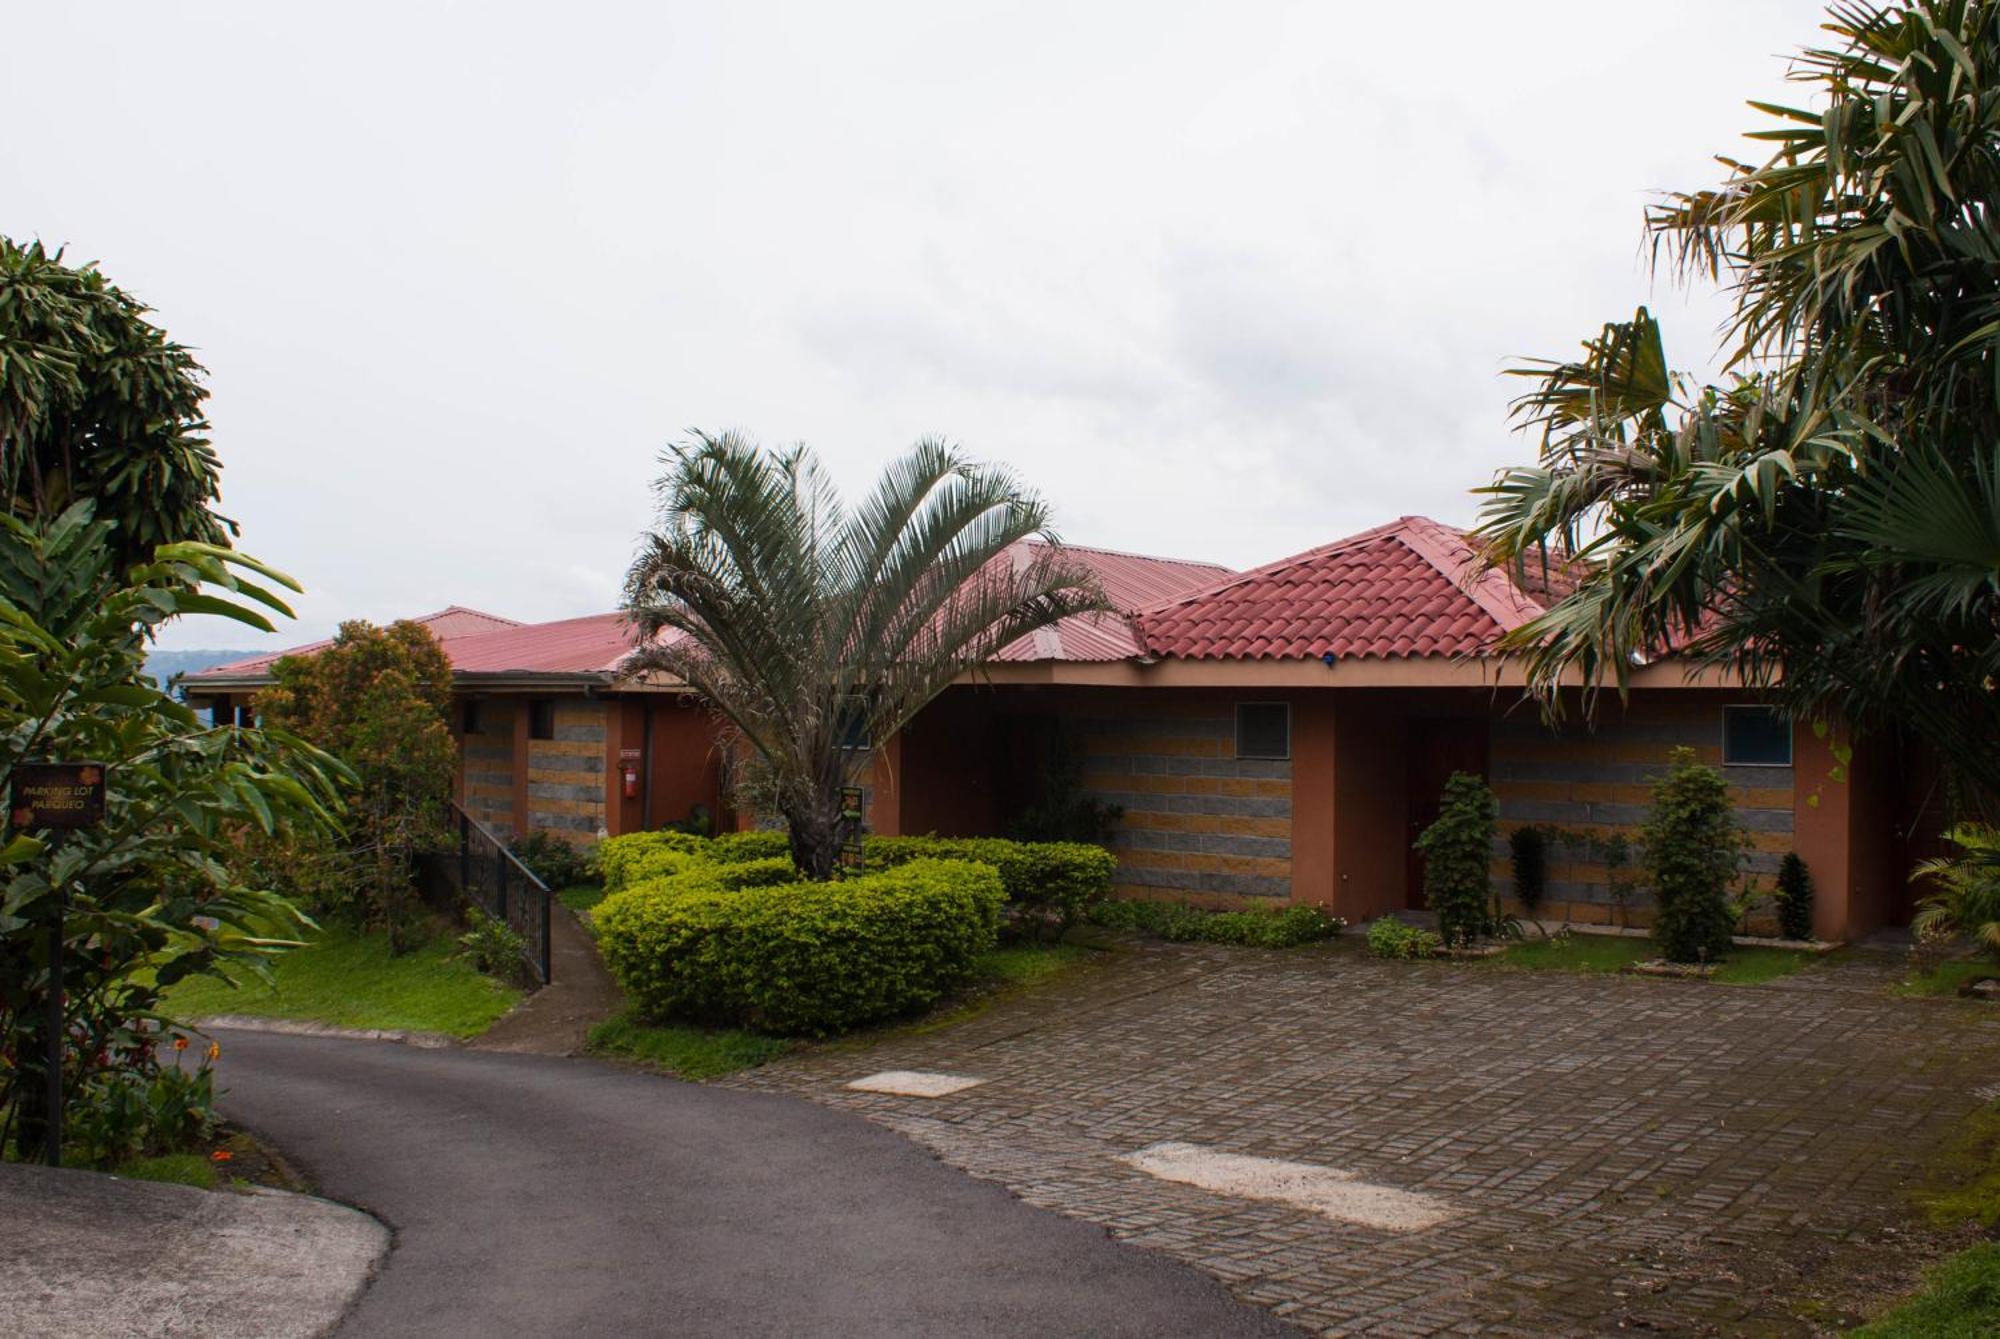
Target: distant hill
164,665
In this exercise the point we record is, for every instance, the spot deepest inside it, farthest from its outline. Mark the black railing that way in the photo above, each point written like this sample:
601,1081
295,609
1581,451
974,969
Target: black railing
495,880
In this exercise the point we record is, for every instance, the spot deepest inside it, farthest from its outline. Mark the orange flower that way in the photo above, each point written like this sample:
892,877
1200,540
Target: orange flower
221,1155
180,1043
214,1050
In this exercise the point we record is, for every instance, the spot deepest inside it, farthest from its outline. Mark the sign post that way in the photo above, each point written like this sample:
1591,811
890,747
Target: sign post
58,797
850,829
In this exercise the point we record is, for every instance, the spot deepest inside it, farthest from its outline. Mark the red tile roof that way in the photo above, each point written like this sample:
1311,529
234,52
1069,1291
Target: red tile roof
1132,581
1409,588
448,625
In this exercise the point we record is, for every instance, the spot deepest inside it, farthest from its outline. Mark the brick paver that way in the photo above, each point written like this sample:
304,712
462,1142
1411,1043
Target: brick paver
1623,1152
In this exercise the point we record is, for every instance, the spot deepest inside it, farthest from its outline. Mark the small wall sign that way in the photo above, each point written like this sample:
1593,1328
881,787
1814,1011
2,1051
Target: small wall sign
57,795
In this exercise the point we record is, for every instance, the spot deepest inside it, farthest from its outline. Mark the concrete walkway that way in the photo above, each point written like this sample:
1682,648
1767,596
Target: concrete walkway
84,1255
556,1020
541,1196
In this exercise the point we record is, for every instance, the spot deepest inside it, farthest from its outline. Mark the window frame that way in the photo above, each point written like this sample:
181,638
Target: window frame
1791,747
1237,741
536,707
469,714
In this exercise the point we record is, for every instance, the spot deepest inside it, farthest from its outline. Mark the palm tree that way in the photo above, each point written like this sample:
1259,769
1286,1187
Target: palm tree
1826,523
817,632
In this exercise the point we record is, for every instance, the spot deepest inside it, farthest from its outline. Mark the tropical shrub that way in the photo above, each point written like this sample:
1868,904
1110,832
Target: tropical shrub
1050,885
556,862
818,630
380,700
1458,858
126,1111
1795,898
491,945
647,855
801,958
1694,847
1964,902
159,885
1390,938
1528,851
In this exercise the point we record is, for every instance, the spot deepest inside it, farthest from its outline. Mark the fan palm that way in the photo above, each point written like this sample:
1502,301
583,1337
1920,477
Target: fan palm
815,631
1826,523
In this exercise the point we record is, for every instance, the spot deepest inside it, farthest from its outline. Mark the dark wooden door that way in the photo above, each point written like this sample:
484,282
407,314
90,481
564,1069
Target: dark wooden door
1436,749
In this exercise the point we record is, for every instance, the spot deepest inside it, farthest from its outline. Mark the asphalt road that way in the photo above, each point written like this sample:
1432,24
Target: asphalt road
543,1196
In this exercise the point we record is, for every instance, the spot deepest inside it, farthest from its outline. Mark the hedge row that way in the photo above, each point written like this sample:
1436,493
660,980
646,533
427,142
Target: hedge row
1258,927
798,958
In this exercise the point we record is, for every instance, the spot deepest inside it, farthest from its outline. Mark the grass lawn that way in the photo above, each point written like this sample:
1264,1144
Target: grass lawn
693,1052
349,980
1960,1300
1947,977
688,1051
580,897
1613,953
181,1169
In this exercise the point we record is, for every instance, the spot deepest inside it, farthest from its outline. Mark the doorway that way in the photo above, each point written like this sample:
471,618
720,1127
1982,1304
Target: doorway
1436,747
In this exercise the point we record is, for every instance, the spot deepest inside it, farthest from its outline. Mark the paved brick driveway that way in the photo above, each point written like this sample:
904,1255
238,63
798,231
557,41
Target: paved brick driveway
1624,1152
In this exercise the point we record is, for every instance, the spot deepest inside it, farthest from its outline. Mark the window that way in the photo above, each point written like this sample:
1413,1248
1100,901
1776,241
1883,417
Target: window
1264,730
853,723
468,716
542,718
1756,737
246,716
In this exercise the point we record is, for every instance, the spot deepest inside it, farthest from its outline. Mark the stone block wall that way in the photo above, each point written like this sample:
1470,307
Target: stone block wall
1198,820
487,763
566,774
1592,783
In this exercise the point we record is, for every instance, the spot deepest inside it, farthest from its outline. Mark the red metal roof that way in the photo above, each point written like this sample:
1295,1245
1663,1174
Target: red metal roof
595,643
1409,588
448,625
1131,581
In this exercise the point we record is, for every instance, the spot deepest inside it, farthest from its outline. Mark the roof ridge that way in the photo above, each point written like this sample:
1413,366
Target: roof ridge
466,609
1452,554
1128,553
1273,567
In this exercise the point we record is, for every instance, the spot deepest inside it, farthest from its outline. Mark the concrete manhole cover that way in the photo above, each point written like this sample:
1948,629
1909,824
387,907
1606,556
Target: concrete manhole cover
914,1083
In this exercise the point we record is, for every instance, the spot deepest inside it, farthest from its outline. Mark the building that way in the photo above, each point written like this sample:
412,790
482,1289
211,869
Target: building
1271,735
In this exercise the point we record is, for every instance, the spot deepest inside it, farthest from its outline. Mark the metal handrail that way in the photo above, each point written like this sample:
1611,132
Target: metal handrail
484,876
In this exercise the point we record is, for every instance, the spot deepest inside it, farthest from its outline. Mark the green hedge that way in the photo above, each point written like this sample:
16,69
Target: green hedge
734,848
800,958
646,855
1258,927
1050,886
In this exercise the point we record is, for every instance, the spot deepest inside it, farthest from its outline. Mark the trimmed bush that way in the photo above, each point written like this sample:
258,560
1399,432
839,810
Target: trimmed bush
1528,849
800,958
647,855
734,848
1694,847
1050,886
1258,927
1795,897
1390,938
1458,859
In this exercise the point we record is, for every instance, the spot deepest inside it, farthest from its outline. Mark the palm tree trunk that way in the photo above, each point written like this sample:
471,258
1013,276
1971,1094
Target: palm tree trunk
815,834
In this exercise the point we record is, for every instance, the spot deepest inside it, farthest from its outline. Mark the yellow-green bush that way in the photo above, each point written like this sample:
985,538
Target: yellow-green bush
1049,885
733,848
627,860
800,958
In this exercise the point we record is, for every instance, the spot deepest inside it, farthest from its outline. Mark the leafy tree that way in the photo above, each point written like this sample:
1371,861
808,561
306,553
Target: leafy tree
97,403
817,632
1694,847
158,885
1827,521
1458,859
380,700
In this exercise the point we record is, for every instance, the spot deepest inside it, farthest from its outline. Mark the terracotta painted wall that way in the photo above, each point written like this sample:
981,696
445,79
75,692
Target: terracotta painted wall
686,765
1598,781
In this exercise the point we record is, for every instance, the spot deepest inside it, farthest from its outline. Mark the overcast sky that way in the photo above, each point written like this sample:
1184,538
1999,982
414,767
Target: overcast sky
1225,281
